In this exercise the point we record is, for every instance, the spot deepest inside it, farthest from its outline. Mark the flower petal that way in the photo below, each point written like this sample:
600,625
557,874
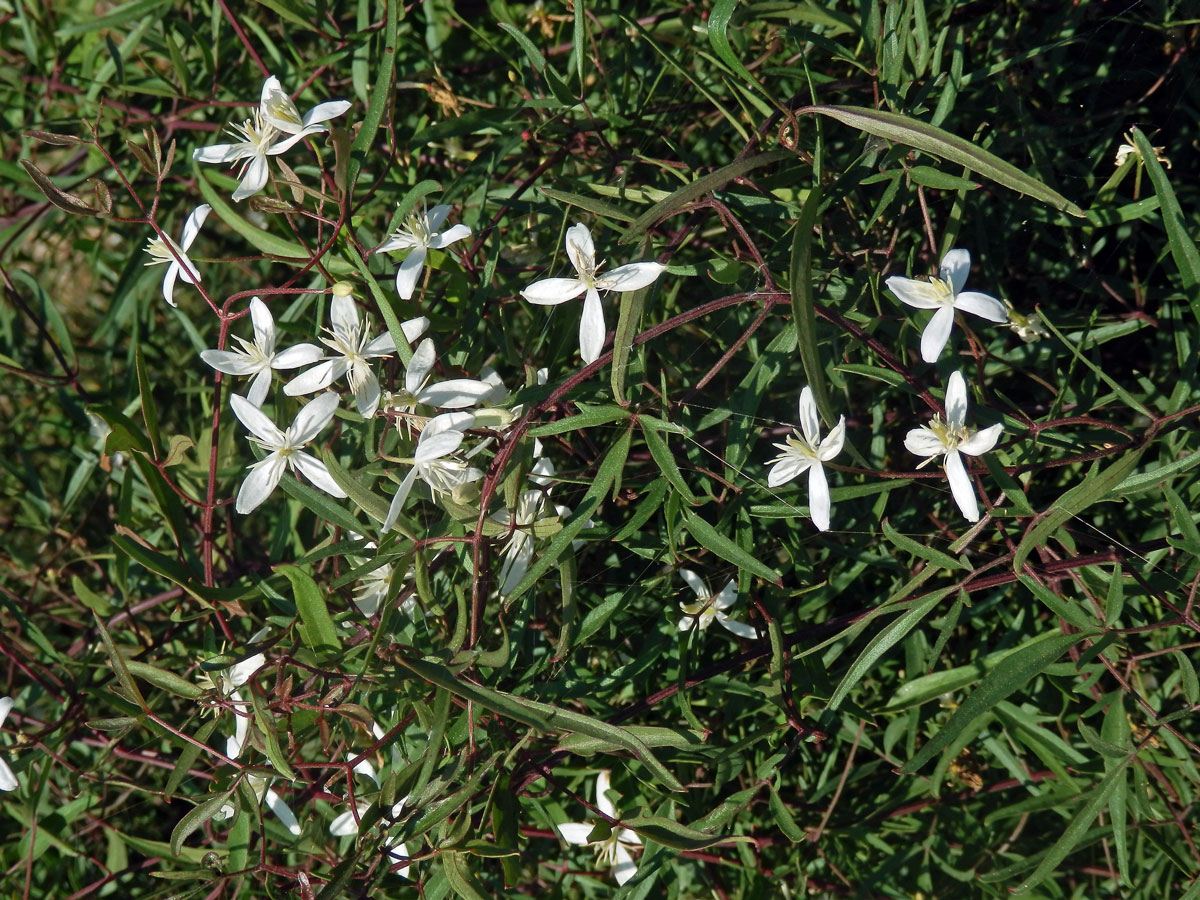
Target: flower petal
317,378
436,216
397,503
435,446
366,398
923,442
420,366
414,328
383,345
603,785
313,416
343,314
982,441
401,240
591,327
450,236
455,393
961,487
283,812
295,357
916,292
580,249
6,705
277,108
230,362
574,833
956,399
222,153
264,326
696,583
409,273
956,265
631,276
832,445
191,227
727,596
259,387
553,291
323,112
8,781
168,285
262,480
346,823
810,422
982,305
314,470
256,422
254,180
936,333
818,497
625,867
785,469
741,629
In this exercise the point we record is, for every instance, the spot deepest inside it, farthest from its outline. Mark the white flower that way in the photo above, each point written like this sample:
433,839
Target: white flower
286,449
226,682
348,340
582,252
945,294
453,394
283,812
951,438
8,781
420,233
518,549
373,587
259,358
707,607
347,823
1129,148
614,851
433,463
164,251
278,109
264,135
808,452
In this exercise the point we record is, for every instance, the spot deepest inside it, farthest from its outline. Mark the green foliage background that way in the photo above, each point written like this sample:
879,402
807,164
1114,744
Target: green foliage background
931,709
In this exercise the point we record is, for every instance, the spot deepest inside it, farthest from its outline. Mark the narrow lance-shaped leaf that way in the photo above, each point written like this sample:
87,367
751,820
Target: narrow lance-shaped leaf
931,139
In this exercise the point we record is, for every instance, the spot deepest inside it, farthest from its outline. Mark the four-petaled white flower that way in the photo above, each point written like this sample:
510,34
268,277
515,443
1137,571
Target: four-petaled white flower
951,438
582,252
259,358
274,128
807,452
348,338
707,607
433,461
280,112
226,682
8,781
453,394
945,294
286,449
164,251
613,851
420,233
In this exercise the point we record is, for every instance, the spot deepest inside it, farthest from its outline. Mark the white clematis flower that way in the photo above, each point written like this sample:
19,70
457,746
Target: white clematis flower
433,461
259,358
277,109
945,294
353,349
582,252
951,438
227,682
453,394
707,607
274,128
613,851
8,781
420,234
164,251
286,449
260,785
805,453
518,549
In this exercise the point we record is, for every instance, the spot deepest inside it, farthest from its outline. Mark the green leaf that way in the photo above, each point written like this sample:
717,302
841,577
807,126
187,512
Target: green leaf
672,834
590,417
783,818
718,25
360,495
698,188
591,204
187,757
261,240
461,879
168,681
381,93
934,557
666,461
120,667
629,318
884,641
1183,248
542,716
929,138
1097,486
711,539
194,818
1011,674
318,632
804,313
